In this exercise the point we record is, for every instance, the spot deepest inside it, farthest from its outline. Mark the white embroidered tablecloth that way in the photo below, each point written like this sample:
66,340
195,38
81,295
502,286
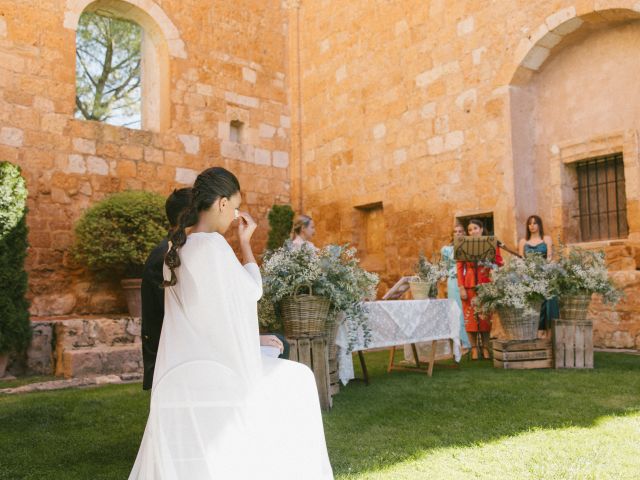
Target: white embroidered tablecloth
401,322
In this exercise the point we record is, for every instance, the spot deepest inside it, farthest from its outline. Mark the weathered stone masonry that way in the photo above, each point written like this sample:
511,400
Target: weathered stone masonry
449,108
382,119
221,62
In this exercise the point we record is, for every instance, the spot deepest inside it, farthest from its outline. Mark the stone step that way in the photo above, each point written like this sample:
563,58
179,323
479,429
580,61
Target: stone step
100,360
81,333
74,383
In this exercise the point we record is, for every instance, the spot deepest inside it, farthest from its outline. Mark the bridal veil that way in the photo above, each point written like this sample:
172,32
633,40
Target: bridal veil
219,410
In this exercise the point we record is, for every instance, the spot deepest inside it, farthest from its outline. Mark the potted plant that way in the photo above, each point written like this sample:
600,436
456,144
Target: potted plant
579,274
516,292
15,327
332,275
114,238
428,274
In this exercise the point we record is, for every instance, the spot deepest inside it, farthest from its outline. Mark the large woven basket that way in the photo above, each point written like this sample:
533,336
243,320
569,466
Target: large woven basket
574,307
520,324
419,289
304,315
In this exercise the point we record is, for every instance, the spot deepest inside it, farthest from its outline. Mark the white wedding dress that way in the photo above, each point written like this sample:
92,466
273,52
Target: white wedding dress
220,410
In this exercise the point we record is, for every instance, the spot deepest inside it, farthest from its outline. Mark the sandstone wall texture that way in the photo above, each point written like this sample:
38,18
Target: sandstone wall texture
385,120
414,113
222,61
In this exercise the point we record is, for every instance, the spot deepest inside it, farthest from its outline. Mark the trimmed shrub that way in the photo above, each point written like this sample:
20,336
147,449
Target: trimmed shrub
280,223
115,236
15,326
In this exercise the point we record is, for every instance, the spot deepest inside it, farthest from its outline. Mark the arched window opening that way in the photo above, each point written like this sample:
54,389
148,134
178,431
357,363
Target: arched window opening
108,69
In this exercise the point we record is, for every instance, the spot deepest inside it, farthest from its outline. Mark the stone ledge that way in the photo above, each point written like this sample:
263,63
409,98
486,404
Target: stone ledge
74,383
100,360
55,336
94,332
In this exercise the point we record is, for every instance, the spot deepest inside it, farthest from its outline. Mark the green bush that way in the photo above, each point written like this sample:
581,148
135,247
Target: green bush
15,327
115,236
280,223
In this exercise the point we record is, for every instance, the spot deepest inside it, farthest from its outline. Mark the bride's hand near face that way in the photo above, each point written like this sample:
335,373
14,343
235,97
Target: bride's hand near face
246,226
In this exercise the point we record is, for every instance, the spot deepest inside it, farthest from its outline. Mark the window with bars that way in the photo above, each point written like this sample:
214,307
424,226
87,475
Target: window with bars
601,198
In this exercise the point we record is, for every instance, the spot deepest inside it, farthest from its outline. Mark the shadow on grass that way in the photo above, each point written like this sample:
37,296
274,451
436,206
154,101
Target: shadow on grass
95,433
403,415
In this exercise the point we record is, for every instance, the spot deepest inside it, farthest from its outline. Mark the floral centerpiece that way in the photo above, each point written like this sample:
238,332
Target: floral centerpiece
428,274
332,272
579,274
516,292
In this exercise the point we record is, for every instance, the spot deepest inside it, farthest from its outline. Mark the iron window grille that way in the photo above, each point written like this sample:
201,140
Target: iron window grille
601,198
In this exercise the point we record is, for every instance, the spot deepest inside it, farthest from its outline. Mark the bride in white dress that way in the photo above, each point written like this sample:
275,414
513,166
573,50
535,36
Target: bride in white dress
220,410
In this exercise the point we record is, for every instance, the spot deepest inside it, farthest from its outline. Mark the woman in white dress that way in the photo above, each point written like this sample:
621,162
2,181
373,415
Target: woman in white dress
220,410
302,232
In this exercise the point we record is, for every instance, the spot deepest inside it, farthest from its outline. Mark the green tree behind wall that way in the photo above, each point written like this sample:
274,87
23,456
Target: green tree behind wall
108,59
15,327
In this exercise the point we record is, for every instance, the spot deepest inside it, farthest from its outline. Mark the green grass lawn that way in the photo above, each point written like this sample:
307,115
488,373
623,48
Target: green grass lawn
476,422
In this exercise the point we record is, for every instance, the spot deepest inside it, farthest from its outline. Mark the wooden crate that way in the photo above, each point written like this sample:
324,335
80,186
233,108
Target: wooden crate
522,354
334,380
314,354
573,343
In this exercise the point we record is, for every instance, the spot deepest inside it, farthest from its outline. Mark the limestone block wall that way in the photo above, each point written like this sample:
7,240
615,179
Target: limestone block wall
79,346
216,62
383,120
414,113
420,110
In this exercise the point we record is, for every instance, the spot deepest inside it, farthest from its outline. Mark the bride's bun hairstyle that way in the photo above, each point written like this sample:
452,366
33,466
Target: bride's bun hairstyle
211,184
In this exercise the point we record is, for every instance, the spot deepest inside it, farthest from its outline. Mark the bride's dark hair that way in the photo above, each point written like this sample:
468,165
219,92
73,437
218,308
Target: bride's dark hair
211,184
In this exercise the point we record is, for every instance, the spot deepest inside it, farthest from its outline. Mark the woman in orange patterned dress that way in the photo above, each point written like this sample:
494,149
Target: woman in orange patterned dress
473,323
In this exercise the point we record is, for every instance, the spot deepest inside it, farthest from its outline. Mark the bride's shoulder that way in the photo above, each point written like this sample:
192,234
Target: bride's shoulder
212,240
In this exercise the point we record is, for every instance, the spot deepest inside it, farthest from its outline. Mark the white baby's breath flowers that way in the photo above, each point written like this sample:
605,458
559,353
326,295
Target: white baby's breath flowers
583,272
333,272
521,284
432,272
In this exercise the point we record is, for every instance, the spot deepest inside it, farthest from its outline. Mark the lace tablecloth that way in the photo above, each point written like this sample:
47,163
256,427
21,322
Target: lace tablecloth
401,322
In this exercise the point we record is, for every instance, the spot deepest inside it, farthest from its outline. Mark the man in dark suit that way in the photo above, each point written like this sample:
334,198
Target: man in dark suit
152,291
153,294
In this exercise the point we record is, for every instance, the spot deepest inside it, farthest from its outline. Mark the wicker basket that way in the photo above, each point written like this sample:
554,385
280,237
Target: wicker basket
419,289
574,307
520,325
304,315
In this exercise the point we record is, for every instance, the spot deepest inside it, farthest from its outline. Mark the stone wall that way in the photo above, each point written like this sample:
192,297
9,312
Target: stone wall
225,61
39,359
385,120
79,346
452,108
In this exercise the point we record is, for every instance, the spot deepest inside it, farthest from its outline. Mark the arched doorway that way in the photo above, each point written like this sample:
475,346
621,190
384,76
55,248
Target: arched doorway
574,121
